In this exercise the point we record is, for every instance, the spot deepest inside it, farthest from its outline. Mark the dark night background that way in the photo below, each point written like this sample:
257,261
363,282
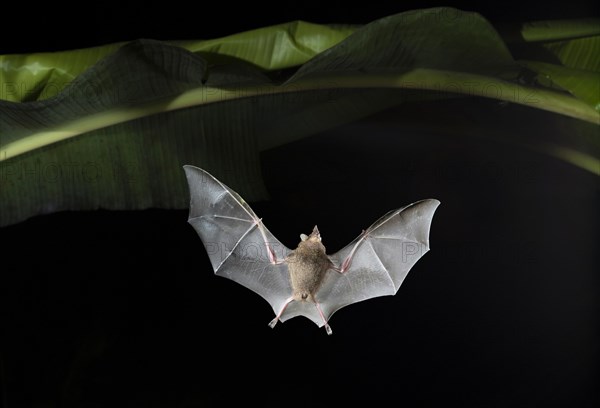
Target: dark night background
121,309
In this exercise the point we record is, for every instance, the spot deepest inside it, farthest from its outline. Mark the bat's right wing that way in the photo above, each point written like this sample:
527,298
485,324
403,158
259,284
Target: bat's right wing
239,245
376,263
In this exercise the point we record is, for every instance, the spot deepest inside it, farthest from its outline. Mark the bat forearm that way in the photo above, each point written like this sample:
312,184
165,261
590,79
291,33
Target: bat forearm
272,256
343,268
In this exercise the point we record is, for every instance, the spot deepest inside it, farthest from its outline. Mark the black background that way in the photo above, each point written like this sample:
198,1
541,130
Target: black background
121,309
58,26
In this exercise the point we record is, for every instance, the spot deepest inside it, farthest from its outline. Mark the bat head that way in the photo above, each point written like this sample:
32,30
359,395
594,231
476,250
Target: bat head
314,236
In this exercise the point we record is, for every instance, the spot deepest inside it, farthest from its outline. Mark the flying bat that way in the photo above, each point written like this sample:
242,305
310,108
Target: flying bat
305,281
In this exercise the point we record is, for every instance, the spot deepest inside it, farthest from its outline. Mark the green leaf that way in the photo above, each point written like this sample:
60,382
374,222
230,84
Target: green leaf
585,85
276,47
556,30
118,133
569,56
579,53
40,76
571,43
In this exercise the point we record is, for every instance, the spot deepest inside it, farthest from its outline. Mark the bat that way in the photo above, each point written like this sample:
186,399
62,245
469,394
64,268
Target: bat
305,281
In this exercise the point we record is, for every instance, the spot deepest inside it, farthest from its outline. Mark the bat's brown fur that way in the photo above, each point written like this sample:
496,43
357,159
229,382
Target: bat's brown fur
307,265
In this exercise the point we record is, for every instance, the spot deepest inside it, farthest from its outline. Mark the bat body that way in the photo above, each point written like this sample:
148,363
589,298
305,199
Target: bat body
307,266
306,281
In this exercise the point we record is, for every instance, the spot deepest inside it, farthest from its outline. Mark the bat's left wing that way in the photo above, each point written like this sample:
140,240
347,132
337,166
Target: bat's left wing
238,244
376,263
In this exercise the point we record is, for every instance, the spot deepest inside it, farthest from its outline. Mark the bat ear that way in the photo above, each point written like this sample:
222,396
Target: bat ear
316,234
303,237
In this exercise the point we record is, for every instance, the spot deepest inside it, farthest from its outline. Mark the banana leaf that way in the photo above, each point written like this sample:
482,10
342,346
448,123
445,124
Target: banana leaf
567,56
110,127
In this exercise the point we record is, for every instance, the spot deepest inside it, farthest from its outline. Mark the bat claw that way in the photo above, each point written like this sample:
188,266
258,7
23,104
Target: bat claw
328,329
273,322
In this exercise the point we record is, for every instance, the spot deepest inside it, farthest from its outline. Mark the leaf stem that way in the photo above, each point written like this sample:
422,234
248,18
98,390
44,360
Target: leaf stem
417,79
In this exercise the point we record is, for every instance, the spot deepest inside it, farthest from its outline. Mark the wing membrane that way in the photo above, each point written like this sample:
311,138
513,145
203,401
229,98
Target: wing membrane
236,241
380,258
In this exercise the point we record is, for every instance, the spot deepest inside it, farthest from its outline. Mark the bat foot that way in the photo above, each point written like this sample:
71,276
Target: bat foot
328,329
273,322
